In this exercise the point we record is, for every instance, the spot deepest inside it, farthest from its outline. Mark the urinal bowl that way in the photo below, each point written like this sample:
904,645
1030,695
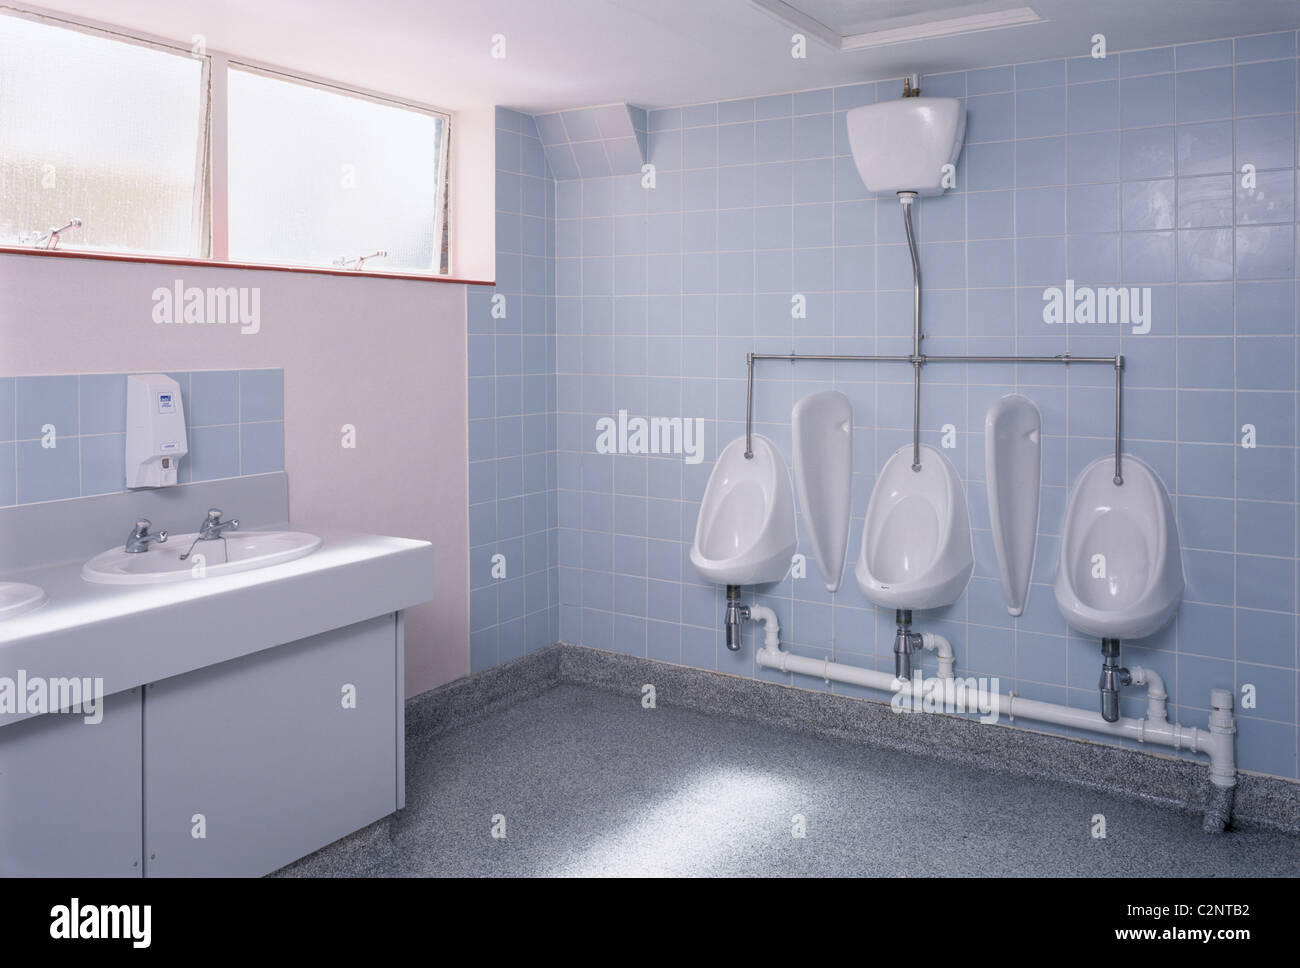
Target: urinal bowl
745,533
1120,574
916,542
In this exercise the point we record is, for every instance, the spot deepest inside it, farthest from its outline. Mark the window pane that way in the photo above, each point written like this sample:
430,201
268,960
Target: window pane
102,130
317,175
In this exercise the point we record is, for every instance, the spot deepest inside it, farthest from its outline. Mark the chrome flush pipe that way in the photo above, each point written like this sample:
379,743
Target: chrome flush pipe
1119,416
907,198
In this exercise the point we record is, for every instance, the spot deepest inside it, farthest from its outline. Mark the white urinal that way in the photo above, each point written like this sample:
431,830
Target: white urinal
822,433
1013,468
745,534
1121,570
916,543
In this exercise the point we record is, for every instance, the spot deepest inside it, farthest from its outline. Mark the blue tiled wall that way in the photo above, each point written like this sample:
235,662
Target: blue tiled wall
512,412
234,420
1126,171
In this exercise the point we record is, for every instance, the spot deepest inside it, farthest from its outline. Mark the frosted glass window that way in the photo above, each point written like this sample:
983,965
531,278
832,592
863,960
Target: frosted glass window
319,175
104,130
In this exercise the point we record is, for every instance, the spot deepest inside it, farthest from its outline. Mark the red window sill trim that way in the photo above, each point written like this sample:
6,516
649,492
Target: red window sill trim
212,264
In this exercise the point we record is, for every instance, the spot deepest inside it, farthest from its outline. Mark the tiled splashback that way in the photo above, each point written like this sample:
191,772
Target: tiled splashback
1126,171
234,420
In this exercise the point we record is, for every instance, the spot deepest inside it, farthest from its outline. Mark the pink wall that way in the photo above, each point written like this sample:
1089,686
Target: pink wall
387,356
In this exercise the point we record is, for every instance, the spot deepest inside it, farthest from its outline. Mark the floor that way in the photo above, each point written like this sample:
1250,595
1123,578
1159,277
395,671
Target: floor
590,783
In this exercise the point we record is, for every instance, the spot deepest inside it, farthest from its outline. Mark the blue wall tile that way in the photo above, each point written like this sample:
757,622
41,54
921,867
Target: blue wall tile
103,403
7,408
1266,142
103,464
214,453
1147,153
90,460
48,473
43,401
1265,88
7,474
214,398
1122,171
1147,100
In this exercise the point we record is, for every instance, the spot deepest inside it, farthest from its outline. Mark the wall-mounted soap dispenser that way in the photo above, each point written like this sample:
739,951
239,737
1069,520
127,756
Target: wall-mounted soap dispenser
155,430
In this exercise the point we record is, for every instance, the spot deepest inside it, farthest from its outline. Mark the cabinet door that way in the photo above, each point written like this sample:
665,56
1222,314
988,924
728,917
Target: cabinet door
258,761
70,793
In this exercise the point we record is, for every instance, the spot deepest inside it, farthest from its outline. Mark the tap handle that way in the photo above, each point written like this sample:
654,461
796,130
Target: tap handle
142,526
214,514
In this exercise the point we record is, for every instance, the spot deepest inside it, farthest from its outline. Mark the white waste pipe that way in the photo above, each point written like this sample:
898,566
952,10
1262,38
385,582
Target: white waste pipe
961,694
1156,695
943,649
771,627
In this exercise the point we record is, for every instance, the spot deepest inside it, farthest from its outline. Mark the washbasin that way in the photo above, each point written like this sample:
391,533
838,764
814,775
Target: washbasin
234,552
17,598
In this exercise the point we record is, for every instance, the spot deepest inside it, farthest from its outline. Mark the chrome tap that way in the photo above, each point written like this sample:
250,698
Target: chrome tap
139,538
211,529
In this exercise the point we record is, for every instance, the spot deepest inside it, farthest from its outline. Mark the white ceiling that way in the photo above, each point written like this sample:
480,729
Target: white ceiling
655,53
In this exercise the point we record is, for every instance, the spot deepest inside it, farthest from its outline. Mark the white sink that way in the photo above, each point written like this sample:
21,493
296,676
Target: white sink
237,551
16,598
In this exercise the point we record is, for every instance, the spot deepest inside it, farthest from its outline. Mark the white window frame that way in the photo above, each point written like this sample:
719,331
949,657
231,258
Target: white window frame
202,202
212,203
223,63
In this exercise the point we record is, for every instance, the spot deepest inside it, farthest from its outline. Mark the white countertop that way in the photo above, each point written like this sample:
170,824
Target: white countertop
135,634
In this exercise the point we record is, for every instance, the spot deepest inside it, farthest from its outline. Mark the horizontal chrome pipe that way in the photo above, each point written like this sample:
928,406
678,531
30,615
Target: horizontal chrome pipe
918,360
831,357
927,358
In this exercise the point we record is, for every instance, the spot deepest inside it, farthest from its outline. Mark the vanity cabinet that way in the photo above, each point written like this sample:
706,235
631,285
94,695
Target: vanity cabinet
70,793
255,762
234,769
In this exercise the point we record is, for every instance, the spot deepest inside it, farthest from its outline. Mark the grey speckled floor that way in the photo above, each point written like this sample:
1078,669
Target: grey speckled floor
592,784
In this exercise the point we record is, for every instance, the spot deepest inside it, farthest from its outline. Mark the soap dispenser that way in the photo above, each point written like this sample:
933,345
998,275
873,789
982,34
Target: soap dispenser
155,430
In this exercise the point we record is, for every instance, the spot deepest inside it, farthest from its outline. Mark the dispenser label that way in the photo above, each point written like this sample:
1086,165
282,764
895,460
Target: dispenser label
166,401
